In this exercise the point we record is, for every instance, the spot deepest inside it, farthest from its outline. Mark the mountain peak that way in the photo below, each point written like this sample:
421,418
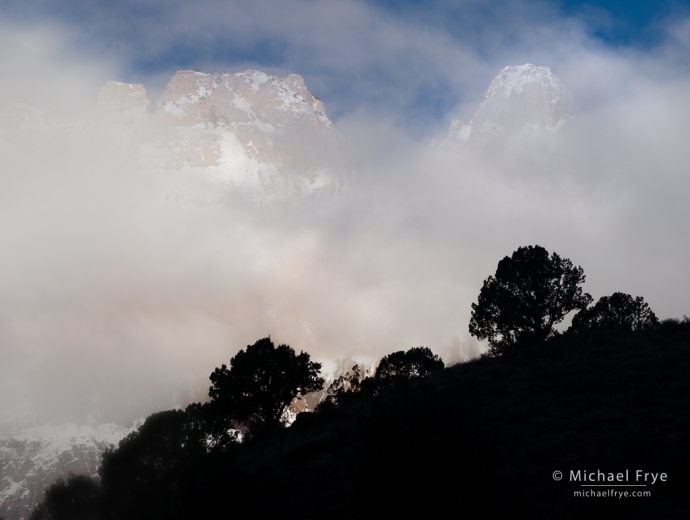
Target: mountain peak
255,138
514,79
246,126
520,98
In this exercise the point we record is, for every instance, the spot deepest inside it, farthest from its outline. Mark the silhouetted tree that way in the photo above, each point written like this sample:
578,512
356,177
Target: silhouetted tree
619,311
402,366
76,499
530,293
260,384
212,428
151,473
347,388
392,370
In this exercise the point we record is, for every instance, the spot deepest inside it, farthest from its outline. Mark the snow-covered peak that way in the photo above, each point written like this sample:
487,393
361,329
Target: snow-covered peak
260,96
259,139
266,137
255,78
514,80
522,98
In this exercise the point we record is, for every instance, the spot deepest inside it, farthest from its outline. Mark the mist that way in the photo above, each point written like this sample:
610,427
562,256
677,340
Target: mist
120,294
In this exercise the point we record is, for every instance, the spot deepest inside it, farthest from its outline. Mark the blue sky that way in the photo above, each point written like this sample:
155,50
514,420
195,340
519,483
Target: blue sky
419,62
617,22
629,22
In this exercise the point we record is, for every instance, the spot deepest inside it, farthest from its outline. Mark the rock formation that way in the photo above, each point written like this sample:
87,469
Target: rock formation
32,459
256,138
522,99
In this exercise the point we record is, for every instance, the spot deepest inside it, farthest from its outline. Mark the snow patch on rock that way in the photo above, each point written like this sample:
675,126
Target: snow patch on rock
523,99
32,459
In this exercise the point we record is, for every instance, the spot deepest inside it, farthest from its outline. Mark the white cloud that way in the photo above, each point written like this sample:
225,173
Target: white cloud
105,285
40,65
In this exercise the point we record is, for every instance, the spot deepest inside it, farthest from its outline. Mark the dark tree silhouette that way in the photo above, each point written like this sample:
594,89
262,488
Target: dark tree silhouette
261,383
76,499
619,311
392,370
530,293
150,473
346,389
212,428
402,366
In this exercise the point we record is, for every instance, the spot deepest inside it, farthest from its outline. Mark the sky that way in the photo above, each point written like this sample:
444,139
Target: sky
351,53
113,301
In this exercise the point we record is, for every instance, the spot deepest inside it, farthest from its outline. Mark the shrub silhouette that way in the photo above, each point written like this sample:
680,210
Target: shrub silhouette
619,311
530,293
76,499
259,386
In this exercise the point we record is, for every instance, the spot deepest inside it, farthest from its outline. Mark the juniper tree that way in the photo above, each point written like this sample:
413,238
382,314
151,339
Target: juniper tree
261,383
530,293
619,311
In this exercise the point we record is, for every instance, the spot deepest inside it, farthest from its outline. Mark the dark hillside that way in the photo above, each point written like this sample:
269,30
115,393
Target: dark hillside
492,432
481,439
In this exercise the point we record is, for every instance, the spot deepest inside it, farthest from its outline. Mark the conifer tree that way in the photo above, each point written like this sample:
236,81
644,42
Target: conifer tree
530,293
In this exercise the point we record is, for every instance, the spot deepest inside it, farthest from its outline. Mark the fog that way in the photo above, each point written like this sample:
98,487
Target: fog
118,299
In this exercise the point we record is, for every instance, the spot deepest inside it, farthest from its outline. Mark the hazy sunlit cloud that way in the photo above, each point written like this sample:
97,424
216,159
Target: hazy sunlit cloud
112,291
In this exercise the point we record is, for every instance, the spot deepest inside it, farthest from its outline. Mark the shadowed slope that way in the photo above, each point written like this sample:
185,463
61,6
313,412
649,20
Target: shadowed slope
492,432
486,435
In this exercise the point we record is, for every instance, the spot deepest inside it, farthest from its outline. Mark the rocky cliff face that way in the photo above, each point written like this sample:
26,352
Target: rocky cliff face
265,137
32,459
256,138
522,99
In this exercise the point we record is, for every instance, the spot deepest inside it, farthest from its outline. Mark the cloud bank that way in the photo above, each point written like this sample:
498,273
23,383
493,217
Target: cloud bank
119,300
